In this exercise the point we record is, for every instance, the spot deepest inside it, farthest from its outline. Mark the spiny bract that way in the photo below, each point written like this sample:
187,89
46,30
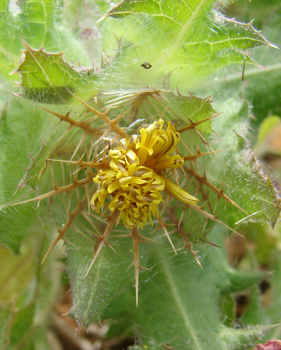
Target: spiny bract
132,176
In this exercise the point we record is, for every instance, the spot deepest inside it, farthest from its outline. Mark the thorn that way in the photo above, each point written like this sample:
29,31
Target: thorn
115,121
25,44
135,237
179,92
203,205
132,263
66,188
104,238
188,245
74,246
20,185
193,125
79,145
30,156
148,240
199,154
144,268
213,244
55,187
55,241
212,217
42,171
204,175
14,72
216,216
163,226
110,246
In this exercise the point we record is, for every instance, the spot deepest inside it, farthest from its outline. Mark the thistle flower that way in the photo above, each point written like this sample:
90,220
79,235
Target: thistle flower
135,178
131,179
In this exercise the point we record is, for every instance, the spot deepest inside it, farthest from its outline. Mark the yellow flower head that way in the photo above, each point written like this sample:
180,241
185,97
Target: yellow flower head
134,179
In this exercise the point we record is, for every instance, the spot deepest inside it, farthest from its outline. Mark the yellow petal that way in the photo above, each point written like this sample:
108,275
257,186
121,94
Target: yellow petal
178,193
175,161
114,186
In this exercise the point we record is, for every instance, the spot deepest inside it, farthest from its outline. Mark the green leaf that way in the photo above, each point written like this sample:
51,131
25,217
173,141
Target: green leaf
41,24
6,319
108,279
237,184
34,293
261,83
243,177
174,292
194,33
189,39
179,304
264,308
267,126
16,274
92,294
260,10
227,308
48,78
179,108
21,326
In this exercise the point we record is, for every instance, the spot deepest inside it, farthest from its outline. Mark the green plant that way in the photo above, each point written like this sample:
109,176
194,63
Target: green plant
160,59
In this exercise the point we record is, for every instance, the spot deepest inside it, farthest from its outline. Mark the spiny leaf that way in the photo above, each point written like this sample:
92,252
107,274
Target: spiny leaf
42,24
243,176
196,109
261,83
182,300
185,111
174,292
48,78
190,39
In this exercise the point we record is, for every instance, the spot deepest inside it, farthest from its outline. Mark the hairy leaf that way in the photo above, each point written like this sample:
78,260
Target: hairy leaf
179,297
151,48
182,39
48,78
41,24
244,178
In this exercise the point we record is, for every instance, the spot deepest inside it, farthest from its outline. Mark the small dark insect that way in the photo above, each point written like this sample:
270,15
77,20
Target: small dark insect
146,65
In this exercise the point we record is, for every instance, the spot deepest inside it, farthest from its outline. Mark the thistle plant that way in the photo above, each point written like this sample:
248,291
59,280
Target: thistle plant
142,159
133,174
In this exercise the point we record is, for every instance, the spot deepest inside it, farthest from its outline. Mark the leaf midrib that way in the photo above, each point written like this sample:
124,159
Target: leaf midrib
177,299
178,40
